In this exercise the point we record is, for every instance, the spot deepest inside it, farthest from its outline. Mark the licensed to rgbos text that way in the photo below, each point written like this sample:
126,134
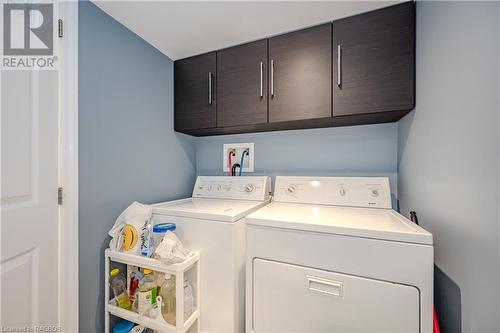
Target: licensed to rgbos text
34,328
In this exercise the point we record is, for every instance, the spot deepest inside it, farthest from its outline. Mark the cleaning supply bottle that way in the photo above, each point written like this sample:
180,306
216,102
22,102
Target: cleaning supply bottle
159,278
188,299
138,277
147,239
118,283
167,293
146,297
134,286
159,231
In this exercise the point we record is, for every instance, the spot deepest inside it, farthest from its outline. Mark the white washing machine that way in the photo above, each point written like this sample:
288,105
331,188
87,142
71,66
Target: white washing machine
213,222
330,255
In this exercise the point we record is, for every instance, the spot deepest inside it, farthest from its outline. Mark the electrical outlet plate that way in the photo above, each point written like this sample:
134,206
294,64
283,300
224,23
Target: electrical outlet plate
239,148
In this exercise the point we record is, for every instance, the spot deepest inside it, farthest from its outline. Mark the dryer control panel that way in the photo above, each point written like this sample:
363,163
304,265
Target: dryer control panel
226,187
335,191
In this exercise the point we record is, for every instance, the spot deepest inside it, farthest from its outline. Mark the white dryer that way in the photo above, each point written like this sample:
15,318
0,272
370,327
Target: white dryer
213,222
330,255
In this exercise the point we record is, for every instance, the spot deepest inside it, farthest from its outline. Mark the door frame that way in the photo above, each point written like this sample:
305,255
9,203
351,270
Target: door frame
68,168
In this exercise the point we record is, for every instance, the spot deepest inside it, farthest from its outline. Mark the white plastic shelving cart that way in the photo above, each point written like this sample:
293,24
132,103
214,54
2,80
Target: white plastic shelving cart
190,268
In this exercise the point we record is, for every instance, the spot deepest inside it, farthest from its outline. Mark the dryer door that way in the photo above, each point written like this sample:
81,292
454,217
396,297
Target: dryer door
290,298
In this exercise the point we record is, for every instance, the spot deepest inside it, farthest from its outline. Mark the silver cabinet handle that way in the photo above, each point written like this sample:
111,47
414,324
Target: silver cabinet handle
261,79
272,78
210,88
339,66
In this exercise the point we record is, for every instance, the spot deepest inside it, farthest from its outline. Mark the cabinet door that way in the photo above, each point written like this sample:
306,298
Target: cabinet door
374,61
300,74
242,85
195,87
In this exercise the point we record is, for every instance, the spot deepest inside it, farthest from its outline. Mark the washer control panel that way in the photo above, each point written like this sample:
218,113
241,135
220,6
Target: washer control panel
225,187
336,191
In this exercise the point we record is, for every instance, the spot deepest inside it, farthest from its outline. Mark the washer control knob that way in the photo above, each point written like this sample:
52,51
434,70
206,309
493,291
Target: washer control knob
249,188
374,193
291,189
342,191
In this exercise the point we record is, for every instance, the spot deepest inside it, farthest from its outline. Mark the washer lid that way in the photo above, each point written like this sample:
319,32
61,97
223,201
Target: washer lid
224,210
376,223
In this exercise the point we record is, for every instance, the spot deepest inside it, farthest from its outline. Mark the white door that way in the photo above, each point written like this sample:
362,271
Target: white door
29,209
290,298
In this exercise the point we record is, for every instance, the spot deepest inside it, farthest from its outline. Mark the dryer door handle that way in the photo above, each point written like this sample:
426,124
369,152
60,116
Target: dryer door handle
325,286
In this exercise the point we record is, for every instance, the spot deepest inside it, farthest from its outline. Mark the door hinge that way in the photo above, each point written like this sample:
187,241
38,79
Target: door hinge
60,28
60,196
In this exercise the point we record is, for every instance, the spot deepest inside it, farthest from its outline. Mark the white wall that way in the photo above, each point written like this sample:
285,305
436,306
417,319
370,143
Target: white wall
449,150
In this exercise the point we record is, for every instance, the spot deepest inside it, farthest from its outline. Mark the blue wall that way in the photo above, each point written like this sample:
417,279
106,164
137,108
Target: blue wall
356,150
449,167
127,147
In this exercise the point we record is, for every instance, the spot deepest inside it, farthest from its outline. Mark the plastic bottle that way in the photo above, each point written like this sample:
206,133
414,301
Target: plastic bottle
146,297
147,240
167,293
188,300
159,279
159,231
118,283
148,282
135,277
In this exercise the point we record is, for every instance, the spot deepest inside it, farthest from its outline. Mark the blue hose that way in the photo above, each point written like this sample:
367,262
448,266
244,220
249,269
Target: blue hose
241,161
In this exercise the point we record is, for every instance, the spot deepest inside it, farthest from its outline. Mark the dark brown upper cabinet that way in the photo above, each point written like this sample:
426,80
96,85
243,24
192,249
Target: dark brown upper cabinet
242,85
364,65
195,92
374,62
300,74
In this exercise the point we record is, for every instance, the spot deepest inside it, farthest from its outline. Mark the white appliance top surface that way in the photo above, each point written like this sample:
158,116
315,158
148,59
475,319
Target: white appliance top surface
225,210
383,224
220,198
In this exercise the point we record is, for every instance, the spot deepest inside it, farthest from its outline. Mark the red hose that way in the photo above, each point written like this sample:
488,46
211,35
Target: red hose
230,163
436,323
